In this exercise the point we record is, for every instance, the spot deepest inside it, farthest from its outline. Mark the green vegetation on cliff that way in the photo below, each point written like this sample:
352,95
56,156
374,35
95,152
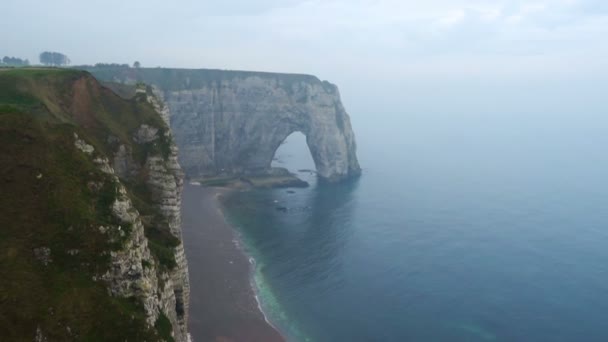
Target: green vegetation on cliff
55,198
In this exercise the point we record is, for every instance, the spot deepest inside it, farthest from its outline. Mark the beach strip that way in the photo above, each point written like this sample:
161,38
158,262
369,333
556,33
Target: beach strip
223,304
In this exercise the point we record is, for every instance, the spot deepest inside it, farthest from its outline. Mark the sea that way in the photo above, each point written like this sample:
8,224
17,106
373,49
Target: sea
461,228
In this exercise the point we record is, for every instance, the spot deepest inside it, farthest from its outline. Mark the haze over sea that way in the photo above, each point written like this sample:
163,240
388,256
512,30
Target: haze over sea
474,220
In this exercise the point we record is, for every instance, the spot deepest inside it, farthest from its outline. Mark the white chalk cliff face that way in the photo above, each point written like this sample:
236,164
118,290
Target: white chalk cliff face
161,290
167,292
235,126
231,123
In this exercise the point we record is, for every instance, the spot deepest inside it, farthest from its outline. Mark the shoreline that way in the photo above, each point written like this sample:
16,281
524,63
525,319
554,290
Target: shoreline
240,246
257,297
225,304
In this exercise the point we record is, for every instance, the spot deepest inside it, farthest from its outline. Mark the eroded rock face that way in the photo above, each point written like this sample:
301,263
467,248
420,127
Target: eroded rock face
165,179
127,276
229,122
235,126
133,271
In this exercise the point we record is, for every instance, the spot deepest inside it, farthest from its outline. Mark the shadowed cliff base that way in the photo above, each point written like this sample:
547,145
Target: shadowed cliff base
223,304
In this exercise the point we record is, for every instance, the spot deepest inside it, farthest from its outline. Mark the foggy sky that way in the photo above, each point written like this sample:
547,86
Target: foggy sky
350,42
408,37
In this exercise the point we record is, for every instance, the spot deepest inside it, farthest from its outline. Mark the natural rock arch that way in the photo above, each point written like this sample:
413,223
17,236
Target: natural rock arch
332,149
232,122
236,126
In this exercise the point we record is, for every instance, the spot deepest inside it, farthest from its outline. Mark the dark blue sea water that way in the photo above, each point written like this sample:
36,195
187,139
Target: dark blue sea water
464,229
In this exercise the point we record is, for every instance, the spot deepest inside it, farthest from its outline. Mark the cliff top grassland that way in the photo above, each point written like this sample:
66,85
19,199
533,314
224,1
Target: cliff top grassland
174,79
53,200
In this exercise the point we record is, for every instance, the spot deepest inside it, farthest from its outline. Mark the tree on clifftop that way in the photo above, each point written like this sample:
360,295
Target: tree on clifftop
14,61
136,64
54,58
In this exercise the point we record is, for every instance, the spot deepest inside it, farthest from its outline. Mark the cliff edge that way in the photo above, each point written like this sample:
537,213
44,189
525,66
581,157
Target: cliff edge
91,234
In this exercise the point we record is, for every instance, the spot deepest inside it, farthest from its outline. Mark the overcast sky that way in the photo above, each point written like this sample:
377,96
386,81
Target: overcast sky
344,41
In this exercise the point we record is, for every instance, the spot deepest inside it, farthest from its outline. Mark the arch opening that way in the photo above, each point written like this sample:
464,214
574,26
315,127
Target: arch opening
294,155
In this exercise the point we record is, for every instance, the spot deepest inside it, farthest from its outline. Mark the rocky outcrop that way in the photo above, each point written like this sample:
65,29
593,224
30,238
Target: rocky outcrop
165,180
133,271
231,123
93,237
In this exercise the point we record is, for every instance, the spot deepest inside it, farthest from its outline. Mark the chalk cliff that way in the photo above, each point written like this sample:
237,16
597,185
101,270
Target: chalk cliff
232,122
91,216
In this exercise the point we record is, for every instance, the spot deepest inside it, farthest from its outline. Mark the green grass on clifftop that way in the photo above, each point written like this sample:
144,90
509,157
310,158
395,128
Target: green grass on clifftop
174,79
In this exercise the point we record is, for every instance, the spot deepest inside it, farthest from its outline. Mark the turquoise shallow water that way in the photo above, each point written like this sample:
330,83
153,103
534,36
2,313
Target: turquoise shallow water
476,231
